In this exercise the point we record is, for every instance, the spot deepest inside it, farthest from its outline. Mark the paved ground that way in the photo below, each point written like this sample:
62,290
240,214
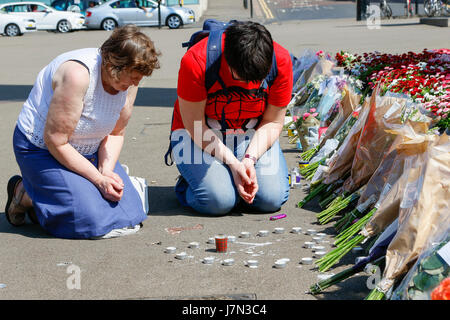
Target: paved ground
325,9
34,265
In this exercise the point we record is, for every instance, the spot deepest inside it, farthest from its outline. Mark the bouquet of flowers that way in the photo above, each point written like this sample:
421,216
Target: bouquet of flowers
348,104
423,211
426,275
342,160
374,141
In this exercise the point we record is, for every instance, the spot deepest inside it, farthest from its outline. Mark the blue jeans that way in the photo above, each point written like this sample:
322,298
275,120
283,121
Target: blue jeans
208,186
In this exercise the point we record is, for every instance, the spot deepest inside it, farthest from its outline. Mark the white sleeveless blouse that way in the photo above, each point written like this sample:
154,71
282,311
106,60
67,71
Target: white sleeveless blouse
101,110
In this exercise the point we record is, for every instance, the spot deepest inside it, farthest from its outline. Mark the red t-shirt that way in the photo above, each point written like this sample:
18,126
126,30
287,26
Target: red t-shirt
244,104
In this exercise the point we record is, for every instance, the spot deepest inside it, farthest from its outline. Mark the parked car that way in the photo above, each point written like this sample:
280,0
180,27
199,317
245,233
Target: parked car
115,13
13,26
79,6
47,18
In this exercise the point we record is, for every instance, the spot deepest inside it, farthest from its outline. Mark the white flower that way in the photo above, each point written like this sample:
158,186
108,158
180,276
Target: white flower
422,65
359,84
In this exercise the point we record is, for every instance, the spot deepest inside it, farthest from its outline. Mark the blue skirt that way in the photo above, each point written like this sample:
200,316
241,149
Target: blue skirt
68,205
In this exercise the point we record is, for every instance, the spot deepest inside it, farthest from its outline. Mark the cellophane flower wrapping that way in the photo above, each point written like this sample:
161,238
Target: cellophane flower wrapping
349,103
374,141
428,272
424,207
411,142
306,63
342,159
391,165
317,66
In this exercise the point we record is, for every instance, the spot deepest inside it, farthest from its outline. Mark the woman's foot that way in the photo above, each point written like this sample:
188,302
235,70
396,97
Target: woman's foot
15,209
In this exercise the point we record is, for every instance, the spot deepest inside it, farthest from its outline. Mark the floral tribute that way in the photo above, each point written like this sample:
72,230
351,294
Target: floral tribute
424,77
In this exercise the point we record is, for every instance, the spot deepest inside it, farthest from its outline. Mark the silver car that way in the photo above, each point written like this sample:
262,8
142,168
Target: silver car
115,13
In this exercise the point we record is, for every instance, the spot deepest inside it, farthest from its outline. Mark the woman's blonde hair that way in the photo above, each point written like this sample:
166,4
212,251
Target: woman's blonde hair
129,49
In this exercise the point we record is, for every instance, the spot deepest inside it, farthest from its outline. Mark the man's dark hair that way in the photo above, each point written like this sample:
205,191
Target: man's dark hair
249,50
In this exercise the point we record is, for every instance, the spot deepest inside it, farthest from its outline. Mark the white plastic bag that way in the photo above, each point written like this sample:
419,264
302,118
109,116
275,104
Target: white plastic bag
140,184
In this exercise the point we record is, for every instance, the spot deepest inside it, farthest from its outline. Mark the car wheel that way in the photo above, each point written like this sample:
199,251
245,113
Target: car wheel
109,24
63,26
12,30
174,21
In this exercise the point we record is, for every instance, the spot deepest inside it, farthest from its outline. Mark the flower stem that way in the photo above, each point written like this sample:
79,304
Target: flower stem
375,294
312,195
327,261
353,229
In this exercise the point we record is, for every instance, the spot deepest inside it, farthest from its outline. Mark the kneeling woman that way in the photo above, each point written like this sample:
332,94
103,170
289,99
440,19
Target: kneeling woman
68,138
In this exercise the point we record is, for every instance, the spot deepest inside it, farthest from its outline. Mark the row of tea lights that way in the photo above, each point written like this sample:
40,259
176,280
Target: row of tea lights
319,251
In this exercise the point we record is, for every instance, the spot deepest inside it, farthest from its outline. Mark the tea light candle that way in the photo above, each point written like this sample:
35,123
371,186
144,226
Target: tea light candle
307,260
319,254
252,263
245,234
170,250
193,245
263,233
279,264
208,260
296,230
228,262
181,256
317,239
278,230
321,234
308,244
318,248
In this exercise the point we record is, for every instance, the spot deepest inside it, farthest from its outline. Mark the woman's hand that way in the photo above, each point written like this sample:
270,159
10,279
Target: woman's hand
113,175
245,180
110,189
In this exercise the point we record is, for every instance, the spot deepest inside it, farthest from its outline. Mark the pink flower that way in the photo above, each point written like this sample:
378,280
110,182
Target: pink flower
306,115
312,110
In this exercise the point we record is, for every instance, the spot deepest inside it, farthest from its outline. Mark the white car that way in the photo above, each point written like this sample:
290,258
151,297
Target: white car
114,13
13,26
47,18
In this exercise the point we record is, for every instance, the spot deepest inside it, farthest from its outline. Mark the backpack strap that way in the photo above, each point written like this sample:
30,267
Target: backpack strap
270,78
168,155
213,57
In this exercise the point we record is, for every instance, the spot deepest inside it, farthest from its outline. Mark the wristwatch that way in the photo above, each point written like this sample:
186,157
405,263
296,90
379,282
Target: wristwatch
251,158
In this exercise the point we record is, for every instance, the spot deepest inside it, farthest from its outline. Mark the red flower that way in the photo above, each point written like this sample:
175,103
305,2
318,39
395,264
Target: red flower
442,292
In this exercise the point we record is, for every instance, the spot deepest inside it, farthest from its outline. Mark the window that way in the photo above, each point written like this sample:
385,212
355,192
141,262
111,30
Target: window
178,2
127,4
150,4
59,4
123,4
7,9
36,8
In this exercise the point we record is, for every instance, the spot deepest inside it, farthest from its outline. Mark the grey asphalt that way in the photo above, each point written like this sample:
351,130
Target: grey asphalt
326,9
34,265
